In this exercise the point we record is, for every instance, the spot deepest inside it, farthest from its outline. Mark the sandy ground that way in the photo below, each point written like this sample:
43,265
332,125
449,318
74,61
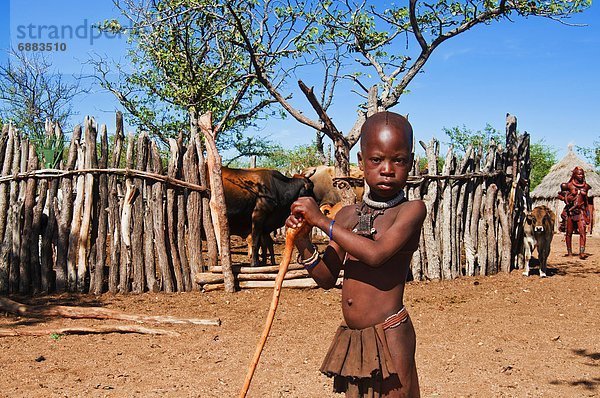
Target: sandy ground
500,336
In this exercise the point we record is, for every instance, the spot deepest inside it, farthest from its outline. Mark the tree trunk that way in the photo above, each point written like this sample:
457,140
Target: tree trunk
217,199
342,169
209,231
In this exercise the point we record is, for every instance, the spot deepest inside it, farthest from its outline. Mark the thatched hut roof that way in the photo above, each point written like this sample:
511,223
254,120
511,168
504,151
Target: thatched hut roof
561,172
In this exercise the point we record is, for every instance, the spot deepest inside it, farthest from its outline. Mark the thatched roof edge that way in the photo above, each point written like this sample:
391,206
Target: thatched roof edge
561,172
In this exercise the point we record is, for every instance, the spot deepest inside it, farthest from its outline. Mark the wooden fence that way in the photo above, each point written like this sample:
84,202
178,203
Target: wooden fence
475,209
95,226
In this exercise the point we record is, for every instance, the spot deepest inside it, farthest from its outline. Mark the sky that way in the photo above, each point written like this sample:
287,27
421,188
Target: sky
543,72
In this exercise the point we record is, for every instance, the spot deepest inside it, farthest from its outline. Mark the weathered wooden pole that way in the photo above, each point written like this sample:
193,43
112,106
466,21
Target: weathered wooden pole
5,213
193,211
172,216
149,254
432,247
217,201
28,277
137,233
84,242
101,250
158,217
114,213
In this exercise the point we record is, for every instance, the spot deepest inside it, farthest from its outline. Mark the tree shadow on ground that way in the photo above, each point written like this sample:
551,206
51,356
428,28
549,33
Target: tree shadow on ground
586,354
590,384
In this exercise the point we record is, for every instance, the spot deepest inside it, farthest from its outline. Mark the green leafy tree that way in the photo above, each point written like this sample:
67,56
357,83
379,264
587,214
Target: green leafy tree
184,63
462,137
543,157
592,154
292,161
365,38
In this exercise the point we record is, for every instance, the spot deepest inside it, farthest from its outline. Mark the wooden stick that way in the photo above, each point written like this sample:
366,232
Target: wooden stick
24,310
86,330
290,236
54,173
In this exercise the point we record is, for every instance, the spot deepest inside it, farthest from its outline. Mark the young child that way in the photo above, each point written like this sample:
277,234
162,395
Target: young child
373,352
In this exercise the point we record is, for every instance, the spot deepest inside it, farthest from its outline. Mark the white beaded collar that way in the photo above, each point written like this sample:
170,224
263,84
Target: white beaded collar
382,205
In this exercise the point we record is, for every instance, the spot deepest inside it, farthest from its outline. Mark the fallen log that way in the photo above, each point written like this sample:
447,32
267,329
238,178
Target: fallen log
291,283
254,270
39,311
13,332
212,287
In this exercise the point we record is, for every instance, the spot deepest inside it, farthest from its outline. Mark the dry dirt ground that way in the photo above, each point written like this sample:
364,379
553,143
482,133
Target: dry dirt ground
499,336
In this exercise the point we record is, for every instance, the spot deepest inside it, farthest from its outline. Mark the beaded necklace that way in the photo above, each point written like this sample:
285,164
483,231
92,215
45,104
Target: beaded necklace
371,209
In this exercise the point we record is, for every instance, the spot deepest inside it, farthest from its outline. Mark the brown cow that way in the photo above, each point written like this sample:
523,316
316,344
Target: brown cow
258,202
538,231
322,178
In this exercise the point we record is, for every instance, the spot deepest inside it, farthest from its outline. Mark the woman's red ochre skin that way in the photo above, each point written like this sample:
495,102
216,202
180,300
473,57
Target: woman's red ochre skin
375,268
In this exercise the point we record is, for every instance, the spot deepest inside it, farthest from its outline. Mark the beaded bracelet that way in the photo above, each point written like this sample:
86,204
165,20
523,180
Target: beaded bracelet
313,264
310,262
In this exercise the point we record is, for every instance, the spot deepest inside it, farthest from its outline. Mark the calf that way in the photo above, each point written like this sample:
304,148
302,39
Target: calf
538,231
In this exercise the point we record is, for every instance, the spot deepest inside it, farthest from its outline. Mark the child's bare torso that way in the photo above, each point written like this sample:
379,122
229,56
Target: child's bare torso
371,294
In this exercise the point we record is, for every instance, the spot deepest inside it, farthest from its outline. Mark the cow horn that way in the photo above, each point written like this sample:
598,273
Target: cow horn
310,172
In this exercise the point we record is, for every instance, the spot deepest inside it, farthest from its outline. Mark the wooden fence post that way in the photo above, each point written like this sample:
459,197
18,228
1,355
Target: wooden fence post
137,215
114,213
158,217
217,206
5,213
101,249
193,211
